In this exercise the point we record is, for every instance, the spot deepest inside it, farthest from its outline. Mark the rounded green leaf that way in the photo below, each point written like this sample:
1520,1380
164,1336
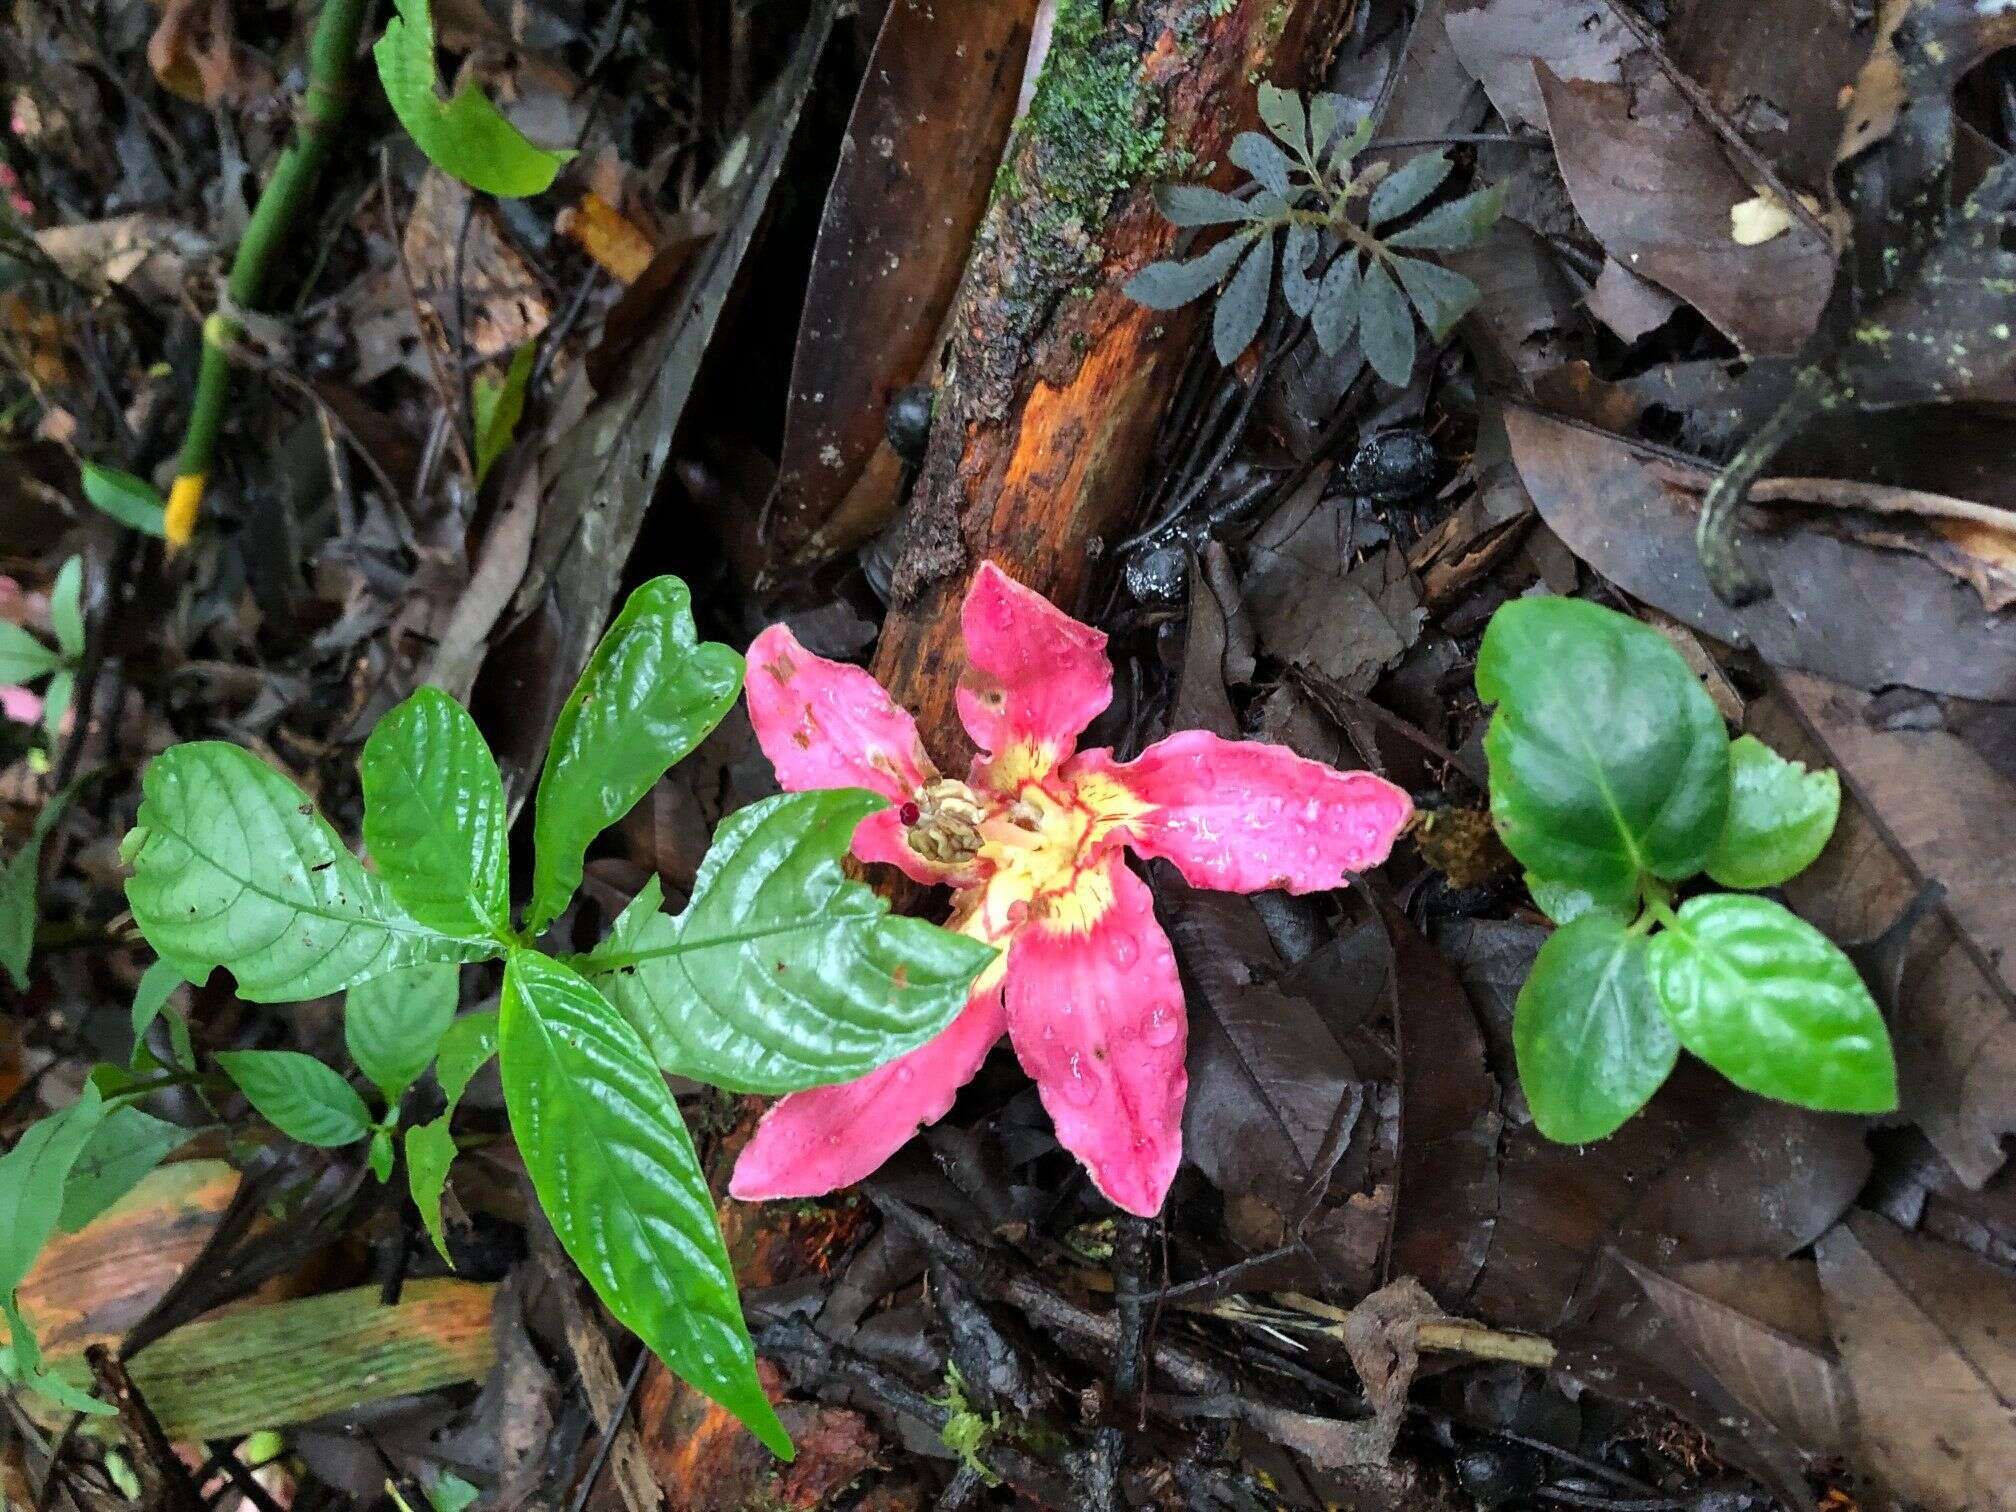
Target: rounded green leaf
616,1174
392,1024
650,693
233,867
1591,1042
1564,904
430,1148
1773,1004
464,136
1607,758
131,501
299,1096
434,816
782,973
1780,816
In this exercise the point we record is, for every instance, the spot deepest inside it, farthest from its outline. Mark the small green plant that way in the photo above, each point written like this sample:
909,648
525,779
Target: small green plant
1341,266
1613,782
781,974
24,659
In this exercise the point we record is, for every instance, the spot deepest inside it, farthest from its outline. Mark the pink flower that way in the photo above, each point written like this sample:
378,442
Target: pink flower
1085,985
20,705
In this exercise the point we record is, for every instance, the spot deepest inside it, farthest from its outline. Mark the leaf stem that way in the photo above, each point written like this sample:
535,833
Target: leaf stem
331,54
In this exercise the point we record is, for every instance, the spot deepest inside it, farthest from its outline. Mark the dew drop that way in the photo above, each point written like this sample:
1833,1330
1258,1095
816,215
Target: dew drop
906,1074
1122,949
1163,1027
1078,1087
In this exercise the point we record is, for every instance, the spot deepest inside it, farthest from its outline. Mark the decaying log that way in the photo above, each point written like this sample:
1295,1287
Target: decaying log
1055,380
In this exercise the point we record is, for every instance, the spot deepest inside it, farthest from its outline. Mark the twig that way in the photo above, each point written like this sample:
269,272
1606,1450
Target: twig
331,55
609,1431
1759,166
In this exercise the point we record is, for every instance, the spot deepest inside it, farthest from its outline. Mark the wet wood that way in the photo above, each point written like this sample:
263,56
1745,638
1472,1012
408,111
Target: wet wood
1055,380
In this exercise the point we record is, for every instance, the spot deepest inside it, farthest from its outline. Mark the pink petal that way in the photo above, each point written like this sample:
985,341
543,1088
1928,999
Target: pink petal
824,724
1097,1018
20,705
1242,816
815,1142
1034,678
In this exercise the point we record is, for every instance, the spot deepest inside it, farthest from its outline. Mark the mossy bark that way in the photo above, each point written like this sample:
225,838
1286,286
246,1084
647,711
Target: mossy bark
1055,380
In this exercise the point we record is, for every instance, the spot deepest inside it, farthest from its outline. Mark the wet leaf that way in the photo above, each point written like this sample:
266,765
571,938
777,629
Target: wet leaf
299,1096
617,1176
1265,161
393,1024
430,1147
1593,1044
1780,816
463,136
1385,326
649,694
499,404
1243,305
233,867
782,973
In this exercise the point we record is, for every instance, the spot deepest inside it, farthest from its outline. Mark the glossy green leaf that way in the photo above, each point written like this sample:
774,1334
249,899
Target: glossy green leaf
381,1155
1773,1004
430,1147
1591,1041
299,1096
1454,226
233,867
20,893
1407,186
1441,296
1199,205
434,816
1607,758
1385,326
1282,112
1565,904
499,404
463,136
22,657
127,1143
650,693
1243,305
782,973
1265,161
393,1024
1169,285
1780,816
32,1177
1335,314
133,502
66,608
617,1176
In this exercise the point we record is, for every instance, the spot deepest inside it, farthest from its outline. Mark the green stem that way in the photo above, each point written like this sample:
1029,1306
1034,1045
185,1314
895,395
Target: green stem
331,58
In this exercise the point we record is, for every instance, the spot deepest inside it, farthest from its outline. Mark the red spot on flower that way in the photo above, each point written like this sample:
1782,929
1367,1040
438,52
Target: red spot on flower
909,813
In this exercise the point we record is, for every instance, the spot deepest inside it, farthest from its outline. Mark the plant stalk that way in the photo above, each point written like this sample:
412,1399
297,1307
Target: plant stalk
332,55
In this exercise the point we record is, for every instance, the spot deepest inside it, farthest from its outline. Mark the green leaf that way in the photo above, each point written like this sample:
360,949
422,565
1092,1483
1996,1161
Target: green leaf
1298,250
1780,817
430,1148
32,1178
20,892
150,1001
381,1155
1170,285
499,405
1407,186
616,1174
22,657
1282,112
434,816
1243,305
1385,326
299,1096
126,1145
233,867
463,136
1199,205
392,1024
1266,162
1350,145
1607,758
782,973
1326,114
1335,314
1773,1004
1441,295
1591,1042
1454,226
1565,904
651,692
56,701
132,501
66,608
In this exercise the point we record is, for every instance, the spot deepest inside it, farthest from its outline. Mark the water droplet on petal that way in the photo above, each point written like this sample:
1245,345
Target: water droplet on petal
1080,1087
1163,1027
1122,949
906,1073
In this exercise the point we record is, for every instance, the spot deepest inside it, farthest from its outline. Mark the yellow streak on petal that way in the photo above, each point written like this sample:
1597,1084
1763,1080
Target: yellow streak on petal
1025,761
185,499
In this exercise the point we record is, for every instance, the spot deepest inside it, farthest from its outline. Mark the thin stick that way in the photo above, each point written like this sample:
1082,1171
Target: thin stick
331,54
